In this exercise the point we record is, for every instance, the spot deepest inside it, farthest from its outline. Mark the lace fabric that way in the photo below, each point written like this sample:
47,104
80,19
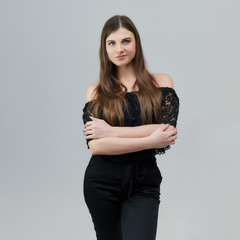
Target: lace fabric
170,110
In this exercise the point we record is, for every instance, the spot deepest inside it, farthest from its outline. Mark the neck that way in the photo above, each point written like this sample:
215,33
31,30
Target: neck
126,75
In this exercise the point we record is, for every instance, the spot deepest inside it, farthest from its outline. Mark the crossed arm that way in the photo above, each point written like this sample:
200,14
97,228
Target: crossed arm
111,140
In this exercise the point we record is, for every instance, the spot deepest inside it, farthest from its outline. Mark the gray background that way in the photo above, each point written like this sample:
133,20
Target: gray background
49,56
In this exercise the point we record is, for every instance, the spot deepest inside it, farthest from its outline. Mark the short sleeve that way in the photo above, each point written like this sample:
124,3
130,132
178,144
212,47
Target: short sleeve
170,106
170,110
86,118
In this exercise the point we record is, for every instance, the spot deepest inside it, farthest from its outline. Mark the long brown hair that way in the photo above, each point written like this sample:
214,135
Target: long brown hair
109,97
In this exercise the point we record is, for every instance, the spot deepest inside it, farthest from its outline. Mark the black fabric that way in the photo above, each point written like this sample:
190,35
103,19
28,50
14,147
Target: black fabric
170,109
122,192
106,191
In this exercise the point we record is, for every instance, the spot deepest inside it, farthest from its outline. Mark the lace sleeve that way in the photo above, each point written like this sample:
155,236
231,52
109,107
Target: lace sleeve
86,118
170,110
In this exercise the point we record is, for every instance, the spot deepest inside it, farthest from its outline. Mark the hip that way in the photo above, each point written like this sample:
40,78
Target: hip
102,169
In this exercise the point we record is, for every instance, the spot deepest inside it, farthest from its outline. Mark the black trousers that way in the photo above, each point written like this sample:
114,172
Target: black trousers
123,197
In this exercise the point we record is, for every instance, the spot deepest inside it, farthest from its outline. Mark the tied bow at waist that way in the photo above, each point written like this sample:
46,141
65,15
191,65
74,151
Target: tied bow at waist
135,169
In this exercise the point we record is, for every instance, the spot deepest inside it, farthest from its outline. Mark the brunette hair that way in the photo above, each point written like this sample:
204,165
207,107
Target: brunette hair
109,97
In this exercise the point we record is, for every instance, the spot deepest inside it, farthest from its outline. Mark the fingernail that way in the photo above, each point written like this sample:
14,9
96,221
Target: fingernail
90,116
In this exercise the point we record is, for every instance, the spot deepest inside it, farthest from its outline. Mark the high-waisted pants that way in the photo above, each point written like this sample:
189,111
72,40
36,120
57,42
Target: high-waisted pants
123,197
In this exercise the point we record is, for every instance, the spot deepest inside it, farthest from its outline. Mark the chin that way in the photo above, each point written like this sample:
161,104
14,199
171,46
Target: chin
121,64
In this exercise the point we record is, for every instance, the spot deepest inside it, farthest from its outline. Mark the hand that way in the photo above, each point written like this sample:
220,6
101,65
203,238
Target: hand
161,138
97,128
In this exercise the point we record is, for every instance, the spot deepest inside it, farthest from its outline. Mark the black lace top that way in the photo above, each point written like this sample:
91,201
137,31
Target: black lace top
170,109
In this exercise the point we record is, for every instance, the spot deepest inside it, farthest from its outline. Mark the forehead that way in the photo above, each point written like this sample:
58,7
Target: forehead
120,34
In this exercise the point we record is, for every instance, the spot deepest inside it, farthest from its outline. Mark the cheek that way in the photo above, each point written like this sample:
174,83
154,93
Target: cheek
132,49
109,52
132,46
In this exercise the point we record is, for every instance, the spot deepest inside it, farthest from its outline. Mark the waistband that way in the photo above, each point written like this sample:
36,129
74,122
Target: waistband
134,156
134,168
134,164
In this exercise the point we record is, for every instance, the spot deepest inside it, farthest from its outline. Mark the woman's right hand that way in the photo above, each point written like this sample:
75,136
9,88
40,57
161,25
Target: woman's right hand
161,138
97,128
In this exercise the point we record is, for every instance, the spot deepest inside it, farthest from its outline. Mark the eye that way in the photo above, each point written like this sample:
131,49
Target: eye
111,43
126,41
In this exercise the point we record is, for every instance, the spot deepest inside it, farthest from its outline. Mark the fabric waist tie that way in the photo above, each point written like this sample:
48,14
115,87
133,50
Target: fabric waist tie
134,168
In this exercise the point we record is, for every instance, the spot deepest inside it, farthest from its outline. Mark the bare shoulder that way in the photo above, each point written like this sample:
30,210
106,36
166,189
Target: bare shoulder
91,91
163,80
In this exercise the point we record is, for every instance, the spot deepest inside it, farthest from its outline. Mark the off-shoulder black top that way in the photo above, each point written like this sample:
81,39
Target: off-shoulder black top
170,110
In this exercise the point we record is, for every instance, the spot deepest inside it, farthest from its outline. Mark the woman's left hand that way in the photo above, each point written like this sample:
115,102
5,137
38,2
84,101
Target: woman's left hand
97,128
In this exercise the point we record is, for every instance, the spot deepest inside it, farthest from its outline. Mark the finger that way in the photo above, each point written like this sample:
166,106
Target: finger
88,124
165,126
88,128
174,135
87,132
171,134
174,131
89,137
173,138
94,119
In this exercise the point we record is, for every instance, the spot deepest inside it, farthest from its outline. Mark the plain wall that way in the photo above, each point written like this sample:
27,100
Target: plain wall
48,58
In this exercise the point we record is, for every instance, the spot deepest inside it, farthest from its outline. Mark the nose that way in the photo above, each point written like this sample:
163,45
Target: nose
119,48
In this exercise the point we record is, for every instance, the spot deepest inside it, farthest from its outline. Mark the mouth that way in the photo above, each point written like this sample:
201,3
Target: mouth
121,56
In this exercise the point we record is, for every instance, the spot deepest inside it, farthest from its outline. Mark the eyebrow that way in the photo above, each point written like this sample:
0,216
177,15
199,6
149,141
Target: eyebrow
122,39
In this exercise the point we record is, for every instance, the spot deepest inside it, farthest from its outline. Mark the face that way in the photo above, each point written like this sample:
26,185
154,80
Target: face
121,47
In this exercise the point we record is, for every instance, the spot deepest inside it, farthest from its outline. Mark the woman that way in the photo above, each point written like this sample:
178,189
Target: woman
130,115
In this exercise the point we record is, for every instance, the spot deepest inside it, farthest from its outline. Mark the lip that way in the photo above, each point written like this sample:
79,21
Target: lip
121,56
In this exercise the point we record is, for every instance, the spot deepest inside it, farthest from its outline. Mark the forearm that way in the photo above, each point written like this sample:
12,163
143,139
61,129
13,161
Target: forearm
136,131
115,145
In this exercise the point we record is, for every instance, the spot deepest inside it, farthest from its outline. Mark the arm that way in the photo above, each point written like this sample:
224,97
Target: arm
98,128
114,145
110,145
139,131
